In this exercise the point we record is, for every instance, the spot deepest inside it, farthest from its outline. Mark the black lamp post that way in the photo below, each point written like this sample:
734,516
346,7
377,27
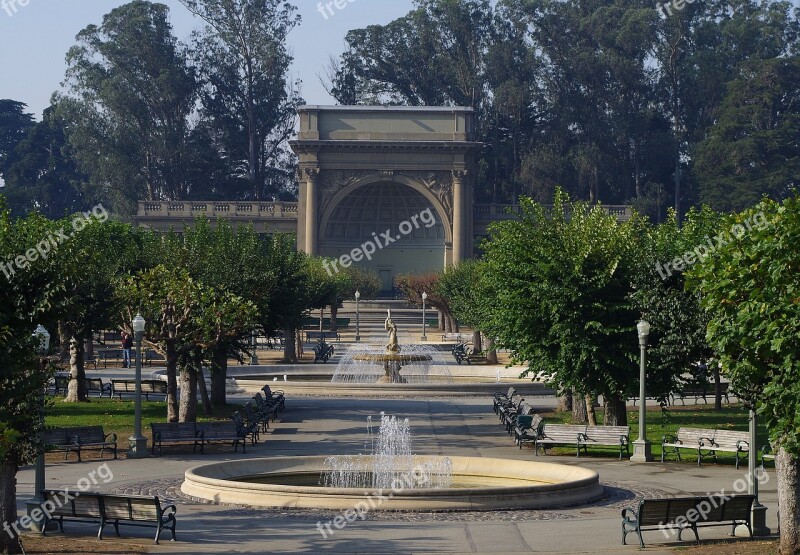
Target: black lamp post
138,443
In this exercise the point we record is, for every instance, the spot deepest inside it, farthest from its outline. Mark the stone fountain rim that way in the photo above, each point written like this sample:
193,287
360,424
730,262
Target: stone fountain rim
392,357
220,480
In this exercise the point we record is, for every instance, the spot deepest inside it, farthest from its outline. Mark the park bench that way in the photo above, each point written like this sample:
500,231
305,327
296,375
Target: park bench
270,407
110,354
60,384
500,397
254,414
246,428
460,337
528,428
606,436
108,509
176,433
510,407
701,391
683,513
767,454
462,352
78,439
322,351
221,432
276,395
559,434
706,443
321,335
510,418
96,385
149,387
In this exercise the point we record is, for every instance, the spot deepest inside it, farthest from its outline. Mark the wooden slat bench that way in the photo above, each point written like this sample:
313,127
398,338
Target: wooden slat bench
105,509
317,335
176,433
79,439
277,395
149,387
707,443
221,432
500,397
767,454
684,513
606,436
559,434
96,385
528,428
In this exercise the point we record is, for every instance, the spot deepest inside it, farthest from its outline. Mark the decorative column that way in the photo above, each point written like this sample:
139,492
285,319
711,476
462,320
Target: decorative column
311,210
458,216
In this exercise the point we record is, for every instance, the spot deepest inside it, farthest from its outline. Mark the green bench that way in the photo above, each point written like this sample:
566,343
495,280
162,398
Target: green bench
687,513
108,509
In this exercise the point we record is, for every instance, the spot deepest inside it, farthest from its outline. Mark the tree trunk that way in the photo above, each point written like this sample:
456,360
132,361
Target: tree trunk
448,324
591,415
76,390
579,415
201,381
786,468
9,539
440,316
614,411
717,389
298,337
188,403
564,402
88,346
289,346
321,319
477,344
334,312
219,377
491,352
172,381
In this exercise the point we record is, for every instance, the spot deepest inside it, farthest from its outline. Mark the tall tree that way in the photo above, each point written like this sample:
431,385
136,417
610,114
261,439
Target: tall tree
752,150
749,288
14,126
243,63
132,92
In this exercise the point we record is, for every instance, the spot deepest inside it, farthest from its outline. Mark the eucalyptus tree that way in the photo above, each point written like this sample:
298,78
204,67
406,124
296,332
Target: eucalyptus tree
243,66
131,95
562,283
749,289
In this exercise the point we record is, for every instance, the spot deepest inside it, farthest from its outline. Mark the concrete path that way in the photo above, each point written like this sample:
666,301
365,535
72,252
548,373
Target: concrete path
441,426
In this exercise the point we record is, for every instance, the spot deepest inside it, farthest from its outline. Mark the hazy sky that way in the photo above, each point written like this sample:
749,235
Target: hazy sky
35,38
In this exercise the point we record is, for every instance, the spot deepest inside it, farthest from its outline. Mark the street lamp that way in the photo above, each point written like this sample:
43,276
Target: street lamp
642,451
424,298
358,336
758,515
34,505
254,340
138,443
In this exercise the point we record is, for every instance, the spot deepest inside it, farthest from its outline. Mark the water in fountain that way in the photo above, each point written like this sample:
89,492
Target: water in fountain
351,369
391,464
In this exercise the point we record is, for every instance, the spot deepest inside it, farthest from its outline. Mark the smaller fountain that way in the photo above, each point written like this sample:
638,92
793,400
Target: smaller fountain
368,364
391,462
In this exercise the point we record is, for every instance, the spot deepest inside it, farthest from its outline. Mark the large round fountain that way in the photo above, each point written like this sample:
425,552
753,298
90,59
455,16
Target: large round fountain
392,478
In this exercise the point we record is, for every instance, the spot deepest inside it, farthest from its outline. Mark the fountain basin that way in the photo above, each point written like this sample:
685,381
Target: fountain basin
488,483
403,358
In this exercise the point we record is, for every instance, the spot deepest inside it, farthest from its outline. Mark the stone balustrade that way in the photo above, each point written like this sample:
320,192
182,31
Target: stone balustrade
213,209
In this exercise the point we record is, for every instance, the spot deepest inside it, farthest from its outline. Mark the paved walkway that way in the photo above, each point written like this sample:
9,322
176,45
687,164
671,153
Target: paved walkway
441,426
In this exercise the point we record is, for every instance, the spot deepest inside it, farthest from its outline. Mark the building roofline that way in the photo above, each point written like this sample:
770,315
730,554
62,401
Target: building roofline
380,108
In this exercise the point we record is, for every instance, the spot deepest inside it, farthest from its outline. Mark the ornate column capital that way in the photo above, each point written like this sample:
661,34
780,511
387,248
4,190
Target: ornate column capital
310,173
459,175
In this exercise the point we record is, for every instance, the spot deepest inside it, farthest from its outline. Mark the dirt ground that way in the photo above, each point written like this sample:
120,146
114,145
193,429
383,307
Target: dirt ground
59,544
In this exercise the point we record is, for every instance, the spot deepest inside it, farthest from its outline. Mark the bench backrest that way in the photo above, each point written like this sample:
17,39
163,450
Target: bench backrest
731,438
87,434
61,382
654,512
124,385
721,508
693,436
607,433
94,384
567,432
56,436
125,507
174,430
223,428
155,386
87,504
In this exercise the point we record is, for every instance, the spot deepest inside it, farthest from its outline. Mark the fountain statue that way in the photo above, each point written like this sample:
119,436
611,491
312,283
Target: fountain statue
391,327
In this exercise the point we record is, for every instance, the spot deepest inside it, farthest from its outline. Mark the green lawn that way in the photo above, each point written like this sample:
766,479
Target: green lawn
731,417
117,416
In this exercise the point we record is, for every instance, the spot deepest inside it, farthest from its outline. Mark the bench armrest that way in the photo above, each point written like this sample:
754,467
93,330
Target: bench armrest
630,514
624,440
669,438
113,437
706,441
168,510
582,436
742,445
766,449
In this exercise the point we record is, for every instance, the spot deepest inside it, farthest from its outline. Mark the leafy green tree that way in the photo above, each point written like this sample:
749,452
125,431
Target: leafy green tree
132,93
752,148
347,282
14,126
563,282
749,288
29,295
413,286
243,65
